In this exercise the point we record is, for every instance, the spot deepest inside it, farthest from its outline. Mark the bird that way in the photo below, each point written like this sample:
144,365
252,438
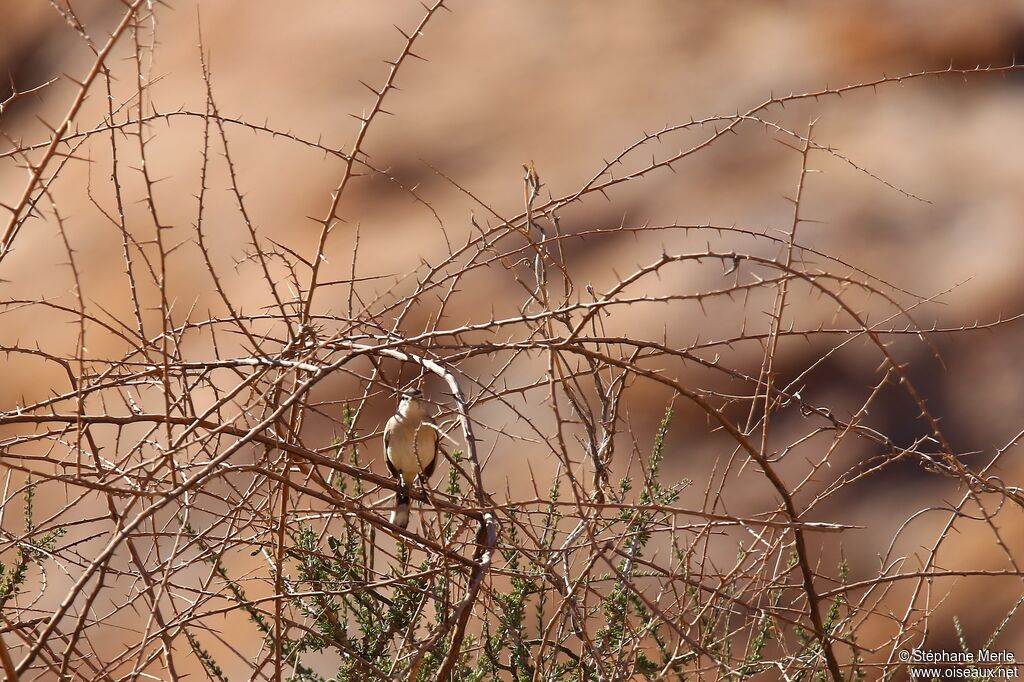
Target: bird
410,449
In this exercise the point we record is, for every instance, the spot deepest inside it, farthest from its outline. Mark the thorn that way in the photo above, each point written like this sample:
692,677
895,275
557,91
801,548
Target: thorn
73,80
786,144
48,126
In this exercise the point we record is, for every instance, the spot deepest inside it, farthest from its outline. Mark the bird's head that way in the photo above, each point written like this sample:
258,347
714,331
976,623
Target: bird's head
412,404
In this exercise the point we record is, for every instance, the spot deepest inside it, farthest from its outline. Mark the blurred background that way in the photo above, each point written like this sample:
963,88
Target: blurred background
565,85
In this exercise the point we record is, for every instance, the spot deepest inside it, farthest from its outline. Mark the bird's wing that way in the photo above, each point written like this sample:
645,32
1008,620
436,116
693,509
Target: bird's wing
387,447
428,470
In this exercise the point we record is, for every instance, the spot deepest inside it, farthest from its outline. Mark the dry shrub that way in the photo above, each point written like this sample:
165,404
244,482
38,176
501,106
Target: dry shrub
196,496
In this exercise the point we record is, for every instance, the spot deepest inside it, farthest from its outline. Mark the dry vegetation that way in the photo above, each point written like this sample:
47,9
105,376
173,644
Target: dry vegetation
199,491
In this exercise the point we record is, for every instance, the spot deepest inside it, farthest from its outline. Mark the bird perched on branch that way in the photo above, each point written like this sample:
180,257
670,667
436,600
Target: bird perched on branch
410,449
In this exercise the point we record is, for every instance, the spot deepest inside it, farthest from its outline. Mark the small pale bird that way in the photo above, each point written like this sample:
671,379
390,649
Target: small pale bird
410,449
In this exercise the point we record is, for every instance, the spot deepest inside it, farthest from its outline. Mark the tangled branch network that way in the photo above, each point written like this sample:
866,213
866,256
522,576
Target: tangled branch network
199,490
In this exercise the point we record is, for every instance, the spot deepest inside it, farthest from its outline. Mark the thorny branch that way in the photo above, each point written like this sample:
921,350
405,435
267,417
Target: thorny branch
196,464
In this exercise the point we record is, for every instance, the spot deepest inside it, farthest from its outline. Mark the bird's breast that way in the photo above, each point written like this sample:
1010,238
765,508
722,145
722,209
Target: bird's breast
411,449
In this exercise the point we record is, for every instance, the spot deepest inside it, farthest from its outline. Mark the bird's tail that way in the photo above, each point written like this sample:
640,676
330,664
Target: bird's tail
400,516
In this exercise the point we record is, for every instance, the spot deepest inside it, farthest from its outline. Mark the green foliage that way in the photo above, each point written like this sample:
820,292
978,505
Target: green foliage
838,627
623,608
30,549
209,663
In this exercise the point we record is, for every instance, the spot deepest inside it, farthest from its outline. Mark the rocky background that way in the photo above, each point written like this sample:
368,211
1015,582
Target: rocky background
564,85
